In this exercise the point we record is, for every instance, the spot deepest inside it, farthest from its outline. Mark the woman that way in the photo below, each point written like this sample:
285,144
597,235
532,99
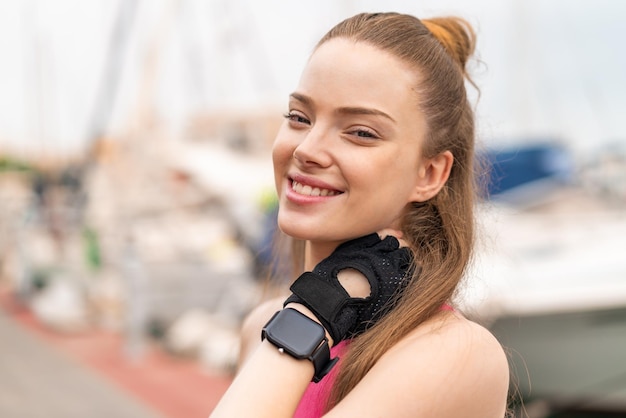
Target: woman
374,171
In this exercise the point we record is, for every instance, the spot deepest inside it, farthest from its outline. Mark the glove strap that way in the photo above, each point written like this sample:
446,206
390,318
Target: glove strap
326,301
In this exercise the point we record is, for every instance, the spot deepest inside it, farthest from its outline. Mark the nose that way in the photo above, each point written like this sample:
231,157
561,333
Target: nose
314,150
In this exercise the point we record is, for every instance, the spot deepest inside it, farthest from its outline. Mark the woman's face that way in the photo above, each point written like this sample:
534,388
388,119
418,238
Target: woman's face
348,156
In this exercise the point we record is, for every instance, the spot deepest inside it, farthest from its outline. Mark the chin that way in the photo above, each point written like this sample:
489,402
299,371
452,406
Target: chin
300,230
294,232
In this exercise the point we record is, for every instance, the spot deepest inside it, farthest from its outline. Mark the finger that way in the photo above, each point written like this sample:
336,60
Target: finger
383,233
389,231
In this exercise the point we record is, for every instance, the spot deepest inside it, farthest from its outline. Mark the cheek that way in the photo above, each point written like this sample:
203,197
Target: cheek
282,152
397,180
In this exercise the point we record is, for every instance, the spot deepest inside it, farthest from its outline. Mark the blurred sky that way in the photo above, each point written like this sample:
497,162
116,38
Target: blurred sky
549,68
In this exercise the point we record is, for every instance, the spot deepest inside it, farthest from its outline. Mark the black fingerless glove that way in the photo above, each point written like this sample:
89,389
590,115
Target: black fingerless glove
382,262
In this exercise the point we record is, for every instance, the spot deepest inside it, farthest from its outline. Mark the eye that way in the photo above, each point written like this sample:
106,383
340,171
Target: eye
296,118
364,133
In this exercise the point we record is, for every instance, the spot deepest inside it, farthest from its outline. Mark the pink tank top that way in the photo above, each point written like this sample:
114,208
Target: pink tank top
316,395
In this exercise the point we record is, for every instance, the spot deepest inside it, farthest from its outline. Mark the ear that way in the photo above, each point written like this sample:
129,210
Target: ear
432,175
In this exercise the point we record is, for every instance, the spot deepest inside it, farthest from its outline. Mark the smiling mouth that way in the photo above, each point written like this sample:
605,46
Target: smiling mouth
307,190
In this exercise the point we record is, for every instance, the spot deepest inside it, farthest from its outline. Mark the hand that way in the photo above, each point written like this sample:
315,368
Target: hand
385,265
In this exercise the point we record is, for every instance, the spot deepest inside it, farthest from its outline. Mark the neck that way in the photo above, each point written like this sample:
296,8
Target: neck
314,252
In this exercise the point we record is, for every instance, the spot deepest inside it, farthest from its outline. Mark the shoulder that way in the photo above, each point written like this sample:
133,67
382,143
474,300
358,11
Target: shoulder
453,337
447,367
458,363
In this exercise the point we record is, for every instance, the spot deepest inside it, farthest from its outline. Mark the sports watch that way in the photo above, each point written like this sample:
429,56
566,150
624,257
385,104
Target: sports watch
302,338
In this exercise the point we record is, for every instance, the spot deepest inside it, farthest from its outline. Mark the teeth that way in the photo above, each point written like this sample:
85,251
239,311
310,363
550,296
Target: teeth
311,191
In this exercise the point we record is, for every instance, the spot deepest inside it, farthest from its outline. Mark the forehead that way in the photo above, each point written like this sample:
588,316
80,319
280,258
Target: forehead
347,71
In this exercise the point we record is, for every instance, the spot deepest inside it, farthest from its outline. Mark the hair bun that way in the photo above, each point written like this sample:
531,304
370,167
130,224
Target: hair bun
455,34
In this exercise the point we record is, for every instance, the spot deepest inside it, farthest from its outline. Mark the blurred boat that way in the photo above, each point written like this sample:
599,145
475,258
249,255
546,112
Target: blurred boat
550,278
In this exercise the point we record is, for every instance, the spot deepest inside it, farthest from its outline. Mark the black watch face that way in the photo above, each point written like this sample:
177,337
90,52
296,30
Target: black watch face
295,332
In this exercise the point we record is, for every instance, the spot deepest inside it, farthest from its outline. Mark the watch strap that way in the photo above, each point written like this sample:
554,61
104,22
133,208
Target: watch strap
322,362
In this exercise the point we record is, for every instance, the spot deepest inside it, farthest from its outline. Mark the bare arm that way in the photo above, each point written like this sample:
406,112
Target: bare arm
270,384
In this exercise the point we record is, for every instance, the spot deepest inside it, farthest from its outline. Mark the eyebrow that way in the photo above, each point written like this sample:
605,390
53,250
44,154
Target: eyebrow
347,110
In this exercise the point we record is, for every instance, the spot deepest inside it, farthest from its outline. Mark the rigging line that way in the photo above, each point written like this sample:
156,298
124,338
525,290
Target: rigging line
114,64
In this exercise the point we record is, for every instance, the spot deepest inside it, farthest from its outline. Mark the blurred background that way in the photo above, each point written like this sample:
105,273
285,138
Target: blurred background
137,201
